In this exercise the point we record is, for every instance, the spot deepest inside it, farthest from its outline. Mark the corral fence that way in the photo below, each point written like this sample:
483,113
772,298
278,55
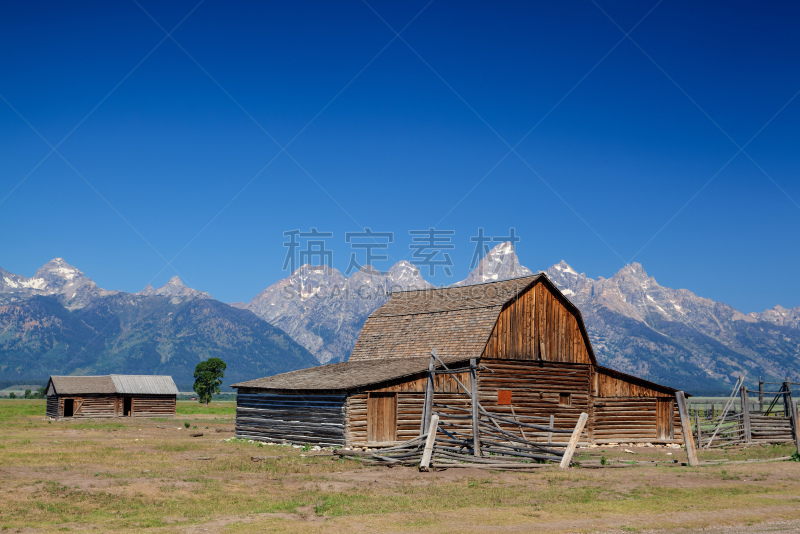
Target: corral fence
771,417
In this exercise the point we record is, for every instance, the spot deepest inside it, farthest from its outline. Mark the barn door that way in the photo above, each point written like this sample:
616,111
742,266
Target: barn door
69,407
664,419
78,405
382,417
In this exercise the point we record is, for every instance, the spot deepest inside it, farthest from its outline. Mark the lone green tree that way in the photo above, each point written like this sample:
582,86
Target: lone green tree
207,378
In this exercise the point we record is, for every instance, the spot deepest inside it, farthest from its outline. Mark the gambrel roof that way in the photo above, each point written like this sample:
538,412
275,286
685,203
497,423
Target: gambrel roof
456,321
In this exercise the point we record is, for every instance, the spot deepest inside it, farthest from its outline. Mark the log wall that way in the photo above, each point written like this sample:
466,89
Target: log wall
52,406
409,414
410,400
537,389
636,419
536,318
150,405
112,405
317,419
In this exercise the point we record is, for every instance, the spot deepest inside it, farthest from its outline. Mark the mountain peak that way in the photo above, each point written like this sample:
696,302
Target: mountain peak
173,288
405,275
148,290
500,263
58,268
633,270
175,281
564,268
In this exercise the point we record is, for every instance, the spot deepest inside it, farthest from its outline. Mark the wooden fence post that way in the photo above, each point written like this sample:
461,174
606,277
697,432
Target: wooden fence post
793,414
425,463
745,412
787,393
427,408
760,396
573,441
552,425
473,378
796,412
697,429
688,440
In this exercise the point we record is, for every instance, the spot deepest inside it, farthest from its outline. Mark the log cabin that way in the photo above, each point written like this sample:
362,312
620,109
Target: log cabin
535,359
111,396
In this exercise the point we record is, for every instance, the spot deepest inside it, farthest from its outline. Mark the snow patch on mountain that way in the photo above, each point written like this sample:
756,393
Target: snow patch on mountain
500,263
174,288
55,278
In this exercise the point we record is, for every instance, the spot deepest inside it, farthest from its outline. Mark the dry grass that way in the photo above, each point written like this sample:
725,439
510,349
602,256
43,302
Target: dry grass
134,475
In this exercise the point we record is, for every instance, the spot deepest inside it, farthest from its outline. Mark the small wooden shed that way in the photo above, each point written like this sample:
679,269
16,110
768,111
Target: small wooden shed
111,396
535,360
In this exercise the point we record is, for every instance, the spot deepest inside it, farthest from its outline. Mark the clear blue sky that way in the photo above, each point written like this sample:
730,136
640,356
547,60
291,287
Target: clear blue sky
625,149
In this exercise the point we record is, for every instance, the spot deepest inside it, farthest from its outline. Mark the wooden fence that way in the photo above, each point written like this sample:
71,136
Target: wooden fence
742,420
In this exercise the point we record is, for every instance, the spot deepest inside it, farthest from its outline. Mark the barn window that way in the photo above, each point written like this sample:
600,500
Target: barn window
503,397
564,399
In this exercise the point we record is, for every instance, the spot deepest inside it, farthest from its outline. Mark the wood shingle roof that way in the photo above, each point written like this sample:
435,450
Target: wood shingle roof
345,376
456,321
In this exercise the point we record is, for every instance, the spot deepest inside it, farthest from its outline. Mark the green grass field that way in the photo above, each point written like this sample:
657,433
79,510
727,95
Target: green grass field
214,408
134,475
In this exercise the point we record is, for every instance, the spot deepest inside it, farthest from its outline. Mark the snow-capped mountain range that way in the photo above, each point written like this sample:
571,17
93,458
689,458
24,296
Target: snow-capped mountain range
636,325
324,311
60,322
73,288
55,277
174,288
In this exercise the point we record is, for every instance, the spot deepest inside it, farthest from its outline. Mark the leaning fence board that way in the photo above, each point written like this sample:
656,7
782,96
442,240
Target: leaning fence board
688,441
426,455
573,441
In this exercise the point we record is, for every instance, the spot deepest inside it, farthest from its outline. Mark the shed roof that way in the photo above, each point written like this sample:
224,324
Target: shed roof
111,384
145,384
345,376
456,321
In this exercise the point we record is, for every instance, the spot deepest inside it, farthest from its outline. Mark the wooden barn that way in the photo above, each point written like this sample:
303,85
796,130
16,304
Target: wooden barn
534,359
111,396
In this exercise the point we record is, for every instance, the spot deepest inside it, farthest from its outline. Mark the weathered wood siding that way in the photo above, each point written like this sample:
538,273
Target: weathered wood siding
150,405
52,406
410,400
537,318
612,384
317,419
537,389
629,409
409,415
112,405
636,419
88,405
